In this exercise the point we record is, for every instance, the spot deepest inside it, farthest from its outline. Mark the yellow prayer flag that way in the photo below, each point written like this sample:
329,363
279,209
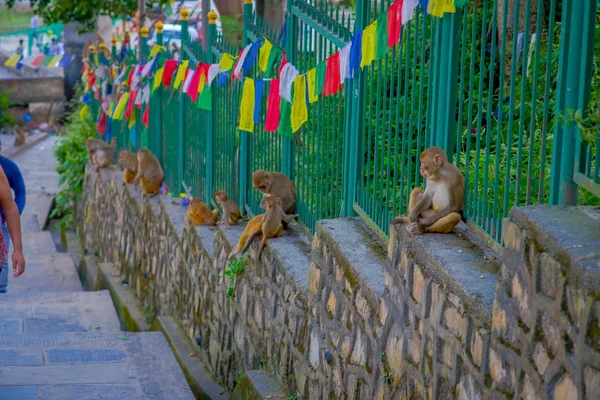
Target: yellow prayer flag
180,74
13,61
299,109
263,58
369,45
158,78
132,119
85,110
54,62
227,61
311,77
202,83
121,106
437,8
155,50
247,106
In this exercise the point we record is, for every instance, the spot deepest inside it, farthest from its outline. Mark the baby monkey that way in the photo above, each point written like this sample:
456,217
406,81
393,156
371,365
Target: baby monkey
231,211
100,153
129,162
150,175
437,209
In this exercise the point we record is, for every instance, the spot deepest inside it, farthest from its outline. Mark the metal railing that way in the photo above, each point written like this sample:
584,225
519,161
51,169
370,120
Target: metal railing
507,97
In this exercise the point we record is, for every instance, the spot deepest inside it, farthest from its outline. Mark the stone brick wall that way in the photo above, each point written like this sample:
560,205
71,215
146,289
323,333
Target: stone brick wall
340,316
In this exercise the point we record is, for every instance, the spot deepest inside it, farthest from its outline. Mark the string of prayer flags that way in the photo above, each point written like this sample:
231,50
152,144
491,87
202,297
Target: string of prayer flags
369,45
286,77
181,71
273,103
258,90
247,106
311,81
169,68
299,112
394,23
345,62
227,61
333,83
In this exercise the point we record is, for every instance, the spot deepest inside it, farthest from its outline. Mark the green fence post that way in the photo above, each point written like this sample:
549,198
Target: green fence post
355,93
210,126
573,93
244,148
113,50
30,34
141,131
185,37
445,82
155,133
291,47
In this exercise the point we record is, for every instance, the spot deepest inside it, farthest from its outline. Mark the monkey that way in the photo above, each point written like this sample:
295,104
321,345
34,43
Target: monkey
200,214
231,211
276,184
272,223
252,230
437,209
100,153
129,162
150,175
20,135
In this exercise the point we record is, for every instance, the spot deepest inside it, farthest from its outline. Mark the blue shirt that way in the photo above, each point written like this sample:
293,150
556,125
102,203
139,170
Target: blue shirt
16,182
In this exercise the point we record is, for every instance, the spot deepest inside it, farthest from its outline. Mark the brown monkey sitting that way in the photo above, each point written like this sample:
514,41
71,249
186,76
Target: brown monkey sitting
20,135
437,209
272,224
129,162
150,175
231,211
200,214
100,153
278,185
252,230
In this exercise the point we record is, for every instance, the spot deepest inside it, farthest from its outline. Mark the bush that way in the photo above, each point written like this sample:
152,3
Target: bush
72,158
6,119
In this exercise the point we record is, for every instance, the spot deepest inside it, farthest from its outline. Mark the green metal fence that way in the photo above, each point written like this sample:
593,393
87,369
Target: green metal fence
510,89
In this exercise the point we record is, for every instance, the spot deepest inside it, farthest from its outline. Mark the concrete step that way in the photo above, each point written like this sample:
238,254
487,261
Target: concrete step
47,273
38,244
36,212
90,366
57,312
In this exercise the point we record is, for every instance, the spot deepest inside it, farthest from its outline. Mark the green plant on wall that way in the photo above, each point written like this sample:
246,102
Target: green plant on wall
233,270
6,119
72,158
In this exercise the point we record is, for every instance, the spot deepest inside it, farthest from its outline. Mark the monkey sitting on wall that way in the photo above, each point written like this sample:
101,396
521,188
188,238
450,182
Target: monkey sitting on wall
200,214
231,211
278,185
100,153
150,175
437,209
20,135
129,162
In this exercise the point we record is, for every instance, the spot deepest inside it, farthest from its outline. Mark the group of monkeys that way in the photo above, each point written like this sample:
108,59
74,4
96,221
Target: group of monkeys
437,209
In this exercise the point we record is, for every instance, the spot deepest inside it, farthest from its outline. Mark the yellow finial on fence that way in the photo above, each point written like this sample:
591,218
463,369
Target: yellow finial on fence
184,14
212,17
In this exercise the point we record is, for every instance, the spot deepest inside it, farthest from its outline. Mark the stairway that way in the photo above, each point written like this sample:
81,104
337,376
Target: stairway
59,342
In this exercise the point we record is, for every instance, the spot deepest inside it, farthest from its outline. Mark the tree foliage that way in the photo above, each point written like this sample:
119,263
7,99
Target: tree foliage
84,12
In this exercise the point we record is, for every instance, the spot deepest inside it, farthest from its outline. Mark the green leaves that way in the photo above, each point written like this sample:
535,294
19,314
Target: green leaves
233,270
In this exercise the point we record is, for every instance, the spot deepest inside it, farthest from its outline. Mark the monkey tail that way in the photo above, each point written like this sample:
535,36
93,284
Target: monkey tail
251,238
399,220
262,246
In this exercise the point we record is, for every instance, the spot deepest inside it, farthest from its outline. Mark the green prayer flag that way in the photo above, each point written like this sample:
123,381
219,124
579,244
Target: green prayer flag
382,36
285,119
274,55
321,71
205,99
460,3
46,61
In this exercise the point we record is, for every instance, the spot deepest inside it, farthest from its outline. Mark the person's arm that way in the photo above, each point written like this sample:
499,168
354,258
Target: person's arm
13,220
18,187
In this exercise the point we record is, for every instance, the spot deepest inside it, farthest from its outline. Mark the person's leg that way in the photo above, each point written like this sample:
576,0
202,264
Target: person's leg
4,273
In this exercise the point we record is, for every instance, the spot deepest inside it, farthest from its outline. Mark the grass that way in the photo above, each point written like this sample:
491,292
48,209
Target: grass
11,20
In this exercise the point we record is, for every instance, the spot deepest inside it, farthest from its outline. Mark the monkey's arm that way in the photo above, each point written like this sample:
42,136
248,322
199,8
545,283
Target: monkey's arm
263,203
288,217
423,204
441,213
225,219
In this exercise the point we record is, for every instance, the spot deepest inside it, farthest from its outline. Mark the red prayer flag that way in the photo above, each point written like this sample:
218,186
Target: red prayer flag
193,89
332,76
101,125
170,67
38,61
145,117
233,76
394,23
130,103
133,71
272,118
283,62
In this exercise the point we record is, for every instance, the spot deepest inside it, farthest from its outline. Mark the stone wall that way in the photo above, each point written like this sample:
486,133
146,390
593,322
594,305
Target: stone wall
341,316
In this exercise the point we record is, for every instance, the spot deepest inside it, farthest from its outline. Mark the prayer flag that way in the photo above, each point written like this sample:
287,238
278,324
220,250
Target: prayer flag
311,79
213,70
205,99
155,50
408,10
345,62
332,76
169,68
251,57
382,36
240,62
38,61
222,79
84,112
299,113
273,56
285,119
227,61
146,116
148,67
130,102
101,125
321,73
181,71
195,83
247,106
65,61
54,61
355,52
188,80
394,23
369,45
273,103
132,119
158,78
437,8
265,53
258,90
118,115
286,77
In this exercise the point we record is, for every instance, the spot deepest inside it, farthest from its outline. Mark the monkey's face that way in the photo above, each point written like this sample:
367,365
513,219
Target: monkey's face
430,165
221,197
261,180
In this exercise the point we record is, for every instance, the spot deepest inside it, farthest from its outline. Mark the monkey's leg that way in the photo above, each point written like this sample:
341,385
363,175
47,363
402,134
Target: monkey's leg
415,197
262,245
445,224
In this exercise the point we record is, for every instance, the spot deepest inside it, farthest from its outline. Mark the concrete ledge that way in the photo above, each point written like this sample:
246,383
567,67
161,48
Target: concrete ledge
31,141
202,383
462,266
128,308
257,385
